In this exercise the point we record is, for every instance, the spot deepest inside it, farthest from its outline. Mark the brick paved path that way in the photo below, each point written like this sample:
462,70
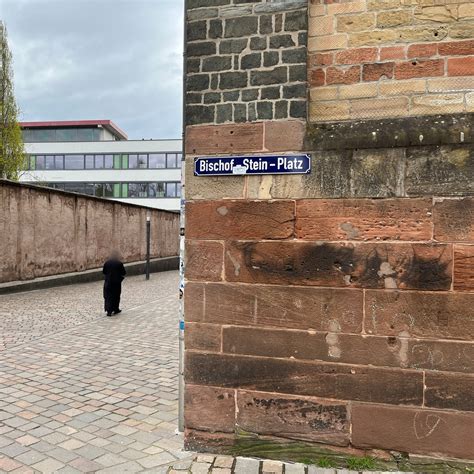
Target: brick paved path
80,392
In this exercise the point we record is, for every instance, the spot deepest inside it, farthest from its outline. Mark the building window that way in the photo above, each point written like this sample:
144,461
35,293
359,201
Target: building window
157,160
89,162
137,190
74,162
156,190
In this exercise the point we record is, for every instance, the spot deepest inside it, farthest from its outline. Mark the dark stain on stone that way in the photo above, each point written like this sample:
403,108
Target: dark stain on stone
427,274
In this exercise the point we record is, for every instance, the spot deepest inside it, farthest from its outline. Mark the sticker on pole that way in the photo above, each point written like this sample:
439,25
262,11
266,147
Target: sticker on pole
248,165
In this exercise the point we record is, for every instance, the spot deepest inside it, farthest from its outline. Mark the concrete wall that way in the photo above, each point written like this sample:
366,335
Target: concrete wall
327,314
47,232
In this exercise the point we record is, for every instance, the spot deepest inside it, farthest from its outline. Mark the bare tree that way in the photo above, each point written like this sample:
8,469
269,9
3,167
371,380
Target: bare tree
12,152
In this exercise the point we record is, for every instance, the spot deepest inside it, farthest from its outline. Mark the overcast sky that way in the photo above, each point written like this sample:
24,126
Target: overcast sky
99,59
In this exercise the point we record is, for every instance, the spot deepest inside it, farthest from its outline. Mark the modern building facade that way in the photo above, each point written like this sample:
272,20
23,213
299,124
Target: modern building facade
95,157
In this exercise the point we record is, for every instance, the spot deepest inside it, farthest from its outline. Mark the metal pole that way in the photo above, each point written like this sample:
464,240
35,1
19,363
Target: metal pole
148,237
181,324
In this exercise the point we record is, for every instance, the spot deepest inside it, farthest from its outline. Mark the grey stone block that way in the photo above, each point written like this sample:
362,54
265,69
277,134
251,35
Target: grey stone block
278,6
201,48
233,80
224,113
249,94
258,44
251,61
277,75
265,24
281,41
296,20
197,82
298,108
215,29
240,113
217,63
281,109
234,46
272,92
264,110
242,26
197,114
271,58
196,30
294,56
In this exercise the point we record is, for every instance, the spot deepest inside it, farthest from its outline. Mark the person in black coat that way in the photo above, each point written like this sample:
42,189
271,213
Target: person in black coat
114,272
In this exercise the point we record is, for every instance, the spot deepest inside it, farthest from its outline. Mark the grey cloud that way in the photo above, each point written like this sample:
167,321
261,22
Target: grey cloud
85,59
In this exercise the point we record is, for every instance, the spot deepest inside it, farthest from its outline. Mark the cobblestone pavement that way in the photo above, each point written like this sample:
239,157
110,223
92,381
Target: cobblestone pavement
210,464
27,316
87,393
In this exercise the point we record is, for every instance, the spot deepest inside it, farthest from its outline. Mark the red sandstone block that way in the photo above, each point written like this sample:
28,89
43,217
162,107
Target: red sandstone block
203,337
461,66
204,260
215,220
364,219
420,314
464,267
285,135
424,50
357,56
392,52
453,391
454,220
402,352
215,139
194,301
377,71
429,432
285,307
423,68
318,379
307,419
320,59
367,265
207,442
335,75
209,408
230,304
456,48
317,77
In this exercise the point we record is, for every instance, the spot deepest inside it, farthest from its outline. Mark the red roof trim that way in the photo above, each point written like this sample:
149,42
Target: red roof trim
107,124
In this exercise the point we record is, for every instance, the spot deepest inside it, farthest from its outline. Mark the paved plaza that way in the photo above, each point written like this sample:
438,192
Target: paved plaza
80,392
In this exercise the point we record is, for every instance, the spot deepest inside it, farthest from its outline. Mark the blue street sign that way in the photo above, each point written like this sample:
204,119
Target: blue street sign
245,165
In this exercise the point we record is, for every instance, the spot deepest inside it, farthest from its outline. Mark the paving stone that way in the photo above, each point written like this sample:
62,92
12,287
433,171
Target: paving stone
156,460
48,466
205,458
8,465
272,467
30,457
291,468
200,468
224,462
246,466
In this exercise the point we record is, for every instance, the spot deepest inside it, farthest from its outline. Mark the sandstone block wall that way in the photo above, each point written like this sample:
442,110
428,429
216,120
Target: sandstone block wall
48,232
390,58
333,312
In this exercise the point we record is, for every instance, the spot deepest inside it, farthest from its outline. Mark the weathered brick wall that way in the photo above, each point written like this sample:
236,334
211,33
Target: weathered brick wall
332,312
49,232
389,58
